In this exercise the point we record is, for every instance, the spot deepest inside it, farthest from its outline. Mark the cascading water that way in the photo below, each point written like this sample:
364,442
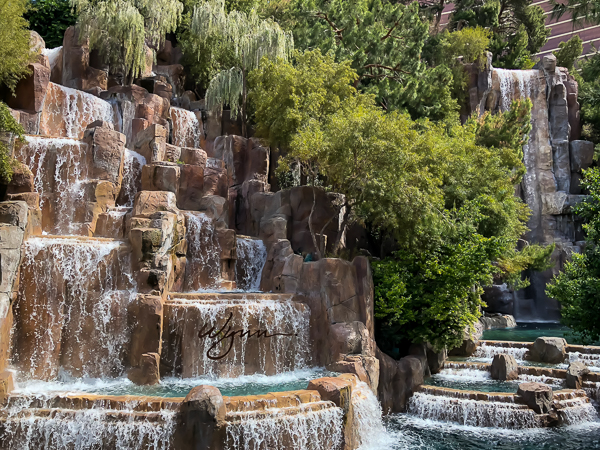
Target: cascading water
67,112
284,347
575,411
59,167
313,429
472,412
487,352
251,258
514,84
70,314
52,54
186,128
590,360
203,268
34,425
132,176
367,418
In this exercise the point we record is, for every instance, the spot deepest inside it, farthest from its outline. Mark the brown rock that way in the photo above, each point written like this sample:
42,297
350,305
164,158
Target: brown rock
201,420
6,385
537,396
151,143
335,390
145,318
77,72
194,156
148,373
149,202
397,381
436,359
504,368
31,90
22,180
549,350
161,176
6,323
191,187
575,373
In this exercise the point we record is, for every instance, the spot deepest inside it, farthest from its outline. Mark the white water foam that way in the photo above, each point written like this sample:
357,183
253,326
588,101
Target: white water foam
186,128
52,54
203,268
251,259
367,418
305,430
486,352
132,176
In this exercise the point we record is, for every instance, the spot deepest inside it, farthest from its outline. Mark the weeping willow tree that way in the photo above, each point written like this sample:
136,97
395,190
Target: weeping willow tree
250,37
118,29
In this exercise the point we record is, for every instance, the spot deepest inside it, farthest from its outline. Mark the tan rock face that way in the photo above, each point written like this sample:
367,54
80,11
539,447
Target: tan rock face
575,374
30,91
537,396
148,372
77,72
548,349
504,368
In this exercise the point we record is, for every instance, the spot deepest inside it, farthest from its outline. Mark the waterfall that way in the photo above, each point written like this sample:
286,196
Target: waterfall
575,411
472,412
487,351
185,319
59,167
367,418
591,360
276,428
203,268
52,54
514,84
71,310
186,128
132,176
33,427
251,258
67,112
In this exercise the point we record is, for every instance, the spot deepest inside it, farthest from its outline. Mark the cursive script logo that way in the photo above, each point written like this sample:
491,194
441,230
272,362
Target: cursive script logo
229,335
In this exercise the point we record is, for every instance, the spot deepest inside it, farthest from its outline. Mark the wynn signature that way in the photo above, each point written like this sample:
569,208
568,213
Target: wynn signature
229,335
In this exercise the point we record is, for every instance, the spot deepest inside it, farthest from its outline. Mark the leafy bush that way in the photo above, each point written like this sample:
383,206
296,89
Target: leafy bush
50,18
8,125
14,42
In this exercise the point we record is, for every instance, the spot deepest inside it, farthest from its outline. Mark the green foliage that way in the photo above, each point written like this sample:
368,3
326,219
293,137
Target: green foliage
468,43
434,295
287,96
8,124
15,54
577,287
50,18
384,42
582,11
518,28
121,29
568,52
589,97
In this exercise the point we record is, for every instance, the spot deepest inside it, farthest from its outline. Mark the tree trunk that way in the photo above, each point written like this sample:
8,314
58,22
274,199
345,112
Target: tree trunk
310,227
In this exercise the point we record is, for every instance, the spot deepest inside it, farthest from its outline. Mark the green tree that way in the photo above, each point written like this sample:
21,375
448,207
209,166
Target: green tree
518,28
250,39
15,53
568,52
9,128
577,287
384,42
119,29
589,97
50,18
582,11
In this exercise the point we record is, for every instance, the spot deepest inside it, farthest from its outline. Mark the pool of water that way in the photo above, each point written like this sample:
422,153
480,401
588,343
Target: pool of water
480,380
410,433
179,387
529,332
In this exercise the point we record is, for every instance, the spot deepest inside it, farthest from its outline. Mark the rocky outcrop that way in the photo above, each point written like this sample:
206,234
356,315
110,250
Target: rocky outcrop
575,373
504,368
77,72
148,372
398,380
537,396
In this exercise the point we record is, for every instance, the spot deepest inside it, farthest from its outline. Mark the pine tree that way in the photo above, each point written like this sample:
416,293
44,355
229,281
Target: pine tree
251,39
120,28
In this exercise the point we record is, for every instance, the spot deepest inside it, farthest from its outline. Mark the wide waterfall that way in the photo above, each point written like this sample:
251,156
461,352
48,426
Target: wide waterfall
312,429
70,314
233,337
67,112
132,176
32,424
186,128
251,258
203,269
487,351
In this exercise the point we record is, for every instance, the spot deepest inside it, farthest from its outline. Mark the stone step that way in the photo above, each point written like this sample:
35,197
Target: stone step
272,400
241,416
225,297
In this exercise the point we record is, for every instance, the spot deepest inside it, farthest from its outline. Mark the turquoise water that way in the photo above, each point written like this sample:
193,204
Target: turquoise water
411,433
478,380
529,332
179,387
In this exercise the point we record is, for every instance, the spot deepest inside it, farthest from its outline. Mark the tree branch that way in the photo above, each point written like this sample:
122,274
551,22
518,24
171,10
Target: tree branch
389,33
381,66
337,31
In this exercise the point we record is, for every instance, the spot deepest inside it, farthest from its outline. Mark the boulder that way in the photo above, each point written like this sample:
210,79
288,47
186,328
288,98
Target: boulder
151,143
549,350
397,381
148,372
436,359
161,176
498,298
575,373
36,42
22,180
582,155
191,187
537,396
504,368
31,90
193,156
147,203
335,390
145,319
201,420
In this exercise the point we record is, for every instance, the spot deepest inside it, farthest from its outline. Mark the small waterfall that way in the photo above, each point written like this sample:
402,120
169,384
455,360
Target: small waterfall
185,319
367,418
52,54
71,310
577,410
186,128
471,412
132,177
67,112
251,258
276,428
487,352
203,268
40,427
514,84
60,168
590,360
